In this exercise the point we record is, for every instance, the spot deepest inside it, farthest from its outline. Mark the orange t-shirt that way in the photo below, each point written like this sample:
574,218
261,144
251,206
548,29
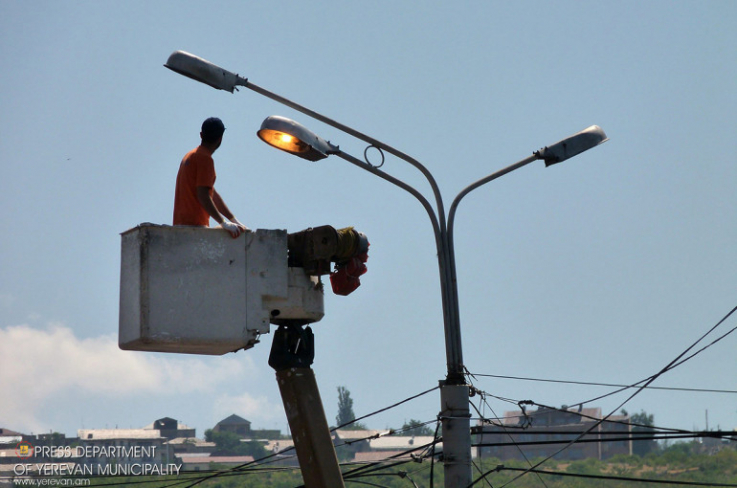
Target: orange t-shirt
196,169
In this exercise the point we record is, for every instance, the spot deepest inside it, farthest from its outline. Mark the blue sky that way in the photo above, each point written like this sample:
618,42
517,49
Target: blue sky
602,269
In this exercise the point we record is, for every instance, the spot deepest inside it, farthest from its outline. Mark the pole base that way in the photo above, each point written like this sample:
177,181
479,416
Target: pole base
456,419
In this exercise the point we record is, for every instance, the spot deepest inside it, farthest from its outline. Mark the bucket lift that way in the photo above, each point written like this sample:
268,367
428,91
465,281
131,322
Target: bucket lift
196,290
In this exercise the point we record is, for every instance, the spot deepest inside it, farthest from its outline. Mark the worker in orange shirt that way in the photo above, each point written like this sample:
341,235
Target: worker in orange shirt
195,197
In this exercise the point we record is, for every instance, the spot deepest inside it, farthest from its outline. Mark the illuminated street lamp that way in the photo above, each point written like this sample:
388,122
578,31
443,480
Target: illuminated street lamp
289,136
294,138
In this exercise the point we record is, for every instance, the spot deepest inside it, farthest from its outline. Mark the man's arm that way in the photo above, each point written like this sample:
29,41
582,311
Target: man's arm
220,205
209,204
223,209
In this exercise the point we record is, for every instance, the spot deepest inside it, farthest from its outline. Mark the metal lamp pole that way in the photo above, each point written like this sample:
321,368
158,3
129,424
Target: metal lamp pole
290,136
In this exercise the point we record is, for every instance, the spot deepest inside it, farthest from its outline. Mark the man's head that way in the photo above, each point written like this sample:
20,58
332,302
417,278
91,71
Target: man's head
212,131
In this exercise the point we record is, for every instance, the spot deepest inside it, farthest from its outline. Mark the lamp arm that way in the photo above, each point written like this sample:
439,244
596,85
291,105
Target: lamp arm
483,181
359,135
444,267
445,258
391,179
451,221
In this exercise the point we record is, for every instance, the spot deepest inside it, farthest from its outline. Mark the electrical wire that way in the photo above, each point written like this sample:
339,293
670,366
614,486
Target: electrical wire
617,478
587,383
674,363
366,483
597,419
388,433
639,386
245,468
651,429
695,435
483,398
375,467
401,474
371,467
485,479
432,455
384,409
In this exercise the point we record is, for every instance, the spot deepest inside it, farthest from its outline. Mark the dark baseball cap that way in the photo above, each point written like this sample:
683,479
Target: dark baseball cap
212,128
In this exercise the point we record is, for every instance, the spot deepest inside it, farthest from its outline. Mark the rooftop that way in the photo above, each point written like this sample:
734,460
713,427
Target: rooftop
400,442
217,459
109,434
233,419
346,434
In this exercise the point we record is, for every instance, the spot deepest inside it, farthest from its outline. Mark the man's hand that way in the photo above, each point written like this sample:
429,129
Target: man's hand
241,226
232,228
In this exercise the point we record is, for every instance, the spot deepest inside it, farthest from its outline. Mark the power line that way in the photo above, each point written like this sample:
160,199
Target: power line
639,384
614,478
371,467
582,415
388,433
483,398
724,435
674,363
384,409
614,385
244,468
651,432
401,474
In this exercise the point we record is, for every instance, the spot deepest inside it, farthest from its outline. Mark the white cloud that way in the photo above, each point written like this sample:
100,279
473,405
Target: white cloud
38,364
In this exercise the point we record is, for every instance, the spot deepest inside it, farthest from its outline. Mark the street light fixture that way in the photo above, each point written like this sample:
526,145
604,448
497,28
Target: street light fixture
572,145
294,138
203,71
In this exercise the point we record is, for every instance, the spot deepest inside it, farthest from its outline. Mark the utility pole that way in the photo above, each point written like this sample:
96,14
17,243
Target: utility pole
292,353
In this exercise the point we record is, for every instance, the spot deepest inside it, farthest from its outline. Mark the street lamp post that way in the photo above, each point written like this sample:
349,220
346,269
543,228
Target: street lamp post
294,138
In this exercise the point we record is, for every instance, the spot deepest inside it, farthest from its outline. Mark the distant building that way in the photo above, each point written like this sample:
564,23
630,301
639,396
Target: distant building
9,439
351,442
145,446
712,445
235,424
242,428
8,436
264,435
403,443
396,448
279,445
205,463
190,445
11,455
171,428
544,432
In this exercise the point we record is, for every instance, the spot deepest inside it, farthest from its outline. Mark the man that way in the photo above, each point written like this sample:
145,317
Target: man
195,197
